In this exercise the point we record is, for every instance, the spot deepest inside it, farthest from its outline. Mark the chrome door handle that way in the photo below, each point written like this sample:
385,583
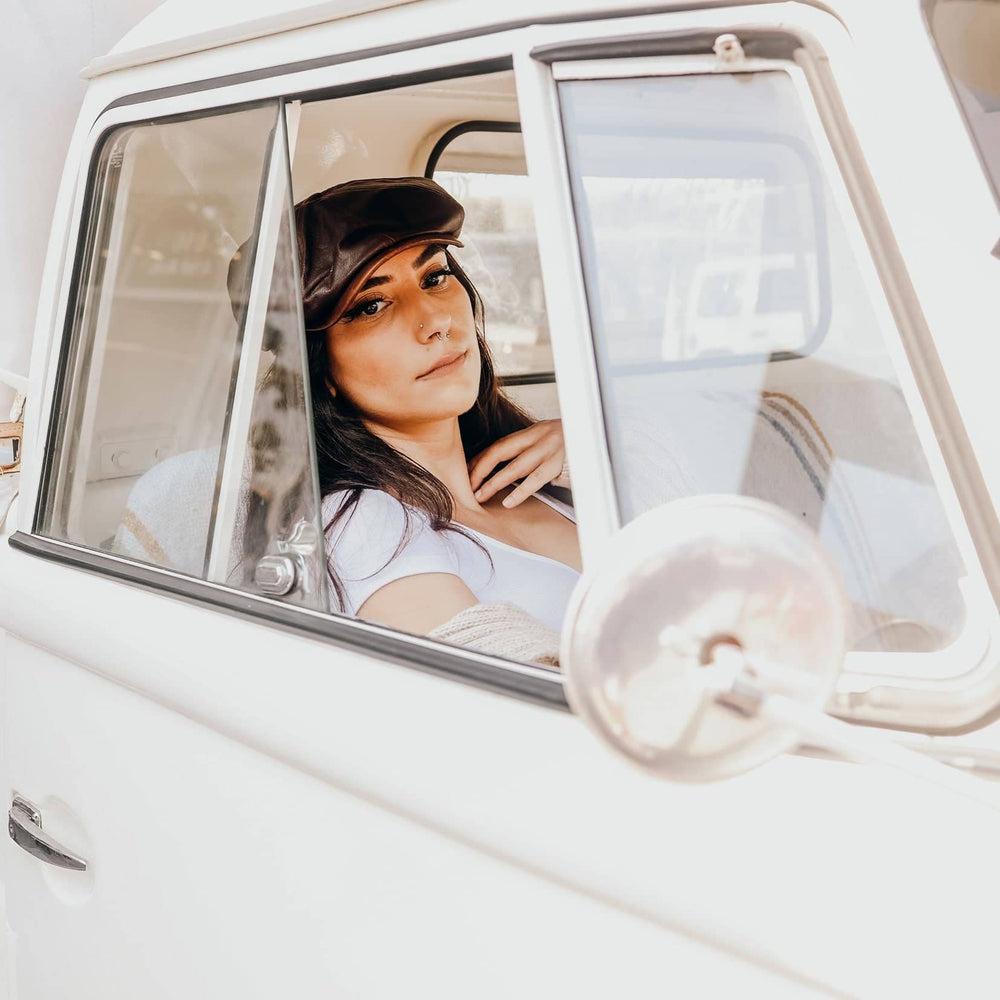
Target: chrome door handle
24,824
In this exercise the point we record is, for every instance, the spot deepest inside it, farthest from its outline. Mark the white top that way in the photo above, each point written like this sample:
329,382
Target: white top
362,550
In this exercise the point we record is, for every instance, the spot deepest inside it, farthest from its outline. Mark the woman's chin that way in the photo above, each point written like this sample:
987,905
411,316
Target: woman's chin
462,404
453,396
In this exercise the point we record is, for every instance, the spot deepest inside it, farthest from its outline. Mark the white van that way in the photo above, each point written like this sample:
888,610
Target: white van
218,786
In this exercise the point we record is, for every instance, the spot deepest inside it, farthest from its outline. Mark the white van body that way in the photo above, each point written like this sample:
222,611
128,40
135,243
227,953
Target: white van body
267,810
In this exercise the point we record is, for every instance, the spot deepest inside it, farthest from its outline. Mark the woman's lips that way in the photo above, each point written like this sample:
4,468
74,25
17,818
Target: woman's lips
446,365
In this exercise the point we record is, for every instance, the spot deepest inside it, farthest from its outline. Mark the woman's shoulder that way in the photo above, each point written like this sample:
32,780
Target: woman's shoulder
366,504
369,517
370,526
373,538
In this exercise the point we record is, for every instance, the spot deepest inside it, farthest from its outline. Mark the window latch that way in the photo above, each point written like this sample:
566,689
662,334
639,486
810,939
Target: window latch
728,50
278,573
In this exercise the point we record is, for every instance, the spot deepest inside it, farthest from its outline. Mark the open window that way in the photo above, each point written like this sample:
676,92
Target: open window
462,130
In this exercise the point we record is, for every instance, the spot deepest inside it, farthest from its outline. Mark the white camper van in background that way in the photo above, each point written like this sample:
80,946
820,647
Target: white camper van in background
748,252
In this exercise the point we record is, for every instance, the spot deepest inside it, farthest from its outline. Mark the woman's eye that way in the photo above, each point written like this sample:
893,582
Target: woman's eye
438,277
367,309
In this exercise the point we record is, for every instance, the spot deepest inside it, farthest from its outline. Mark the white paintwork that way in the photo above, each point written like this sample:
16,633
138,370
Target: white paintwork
270,814
287,885
41,48
803,864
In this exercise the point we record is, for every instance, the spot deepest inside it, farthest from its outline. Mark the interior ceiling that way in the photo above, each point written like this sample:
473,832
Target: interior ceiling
390,133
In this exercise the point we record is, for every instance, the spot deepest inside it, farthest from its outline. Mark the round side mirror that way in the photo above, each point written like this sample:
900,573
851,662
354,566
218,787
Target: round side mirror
675,592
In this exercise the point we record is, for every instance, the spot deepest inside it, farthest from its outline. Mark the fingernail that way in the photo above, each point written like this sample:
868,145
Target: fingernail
508,501
478,494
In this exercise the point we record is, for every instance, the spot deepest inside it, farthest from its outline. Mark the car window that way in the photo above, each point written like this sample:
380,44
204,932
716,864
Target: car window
740,346
485,170
181,432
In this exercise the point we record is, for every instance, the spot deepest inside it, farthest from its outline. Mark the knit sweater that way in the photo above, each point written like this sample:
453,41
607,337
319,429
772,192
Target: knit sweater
501,629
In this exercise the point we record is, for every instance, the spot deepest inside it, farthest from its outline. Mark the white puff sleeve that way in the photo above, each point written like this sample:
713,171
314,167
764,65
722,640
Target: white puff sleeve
379,541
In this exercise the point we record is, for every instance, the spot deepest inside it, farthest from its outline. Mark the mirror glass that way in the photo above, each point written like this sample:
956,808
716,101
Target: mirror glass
677,583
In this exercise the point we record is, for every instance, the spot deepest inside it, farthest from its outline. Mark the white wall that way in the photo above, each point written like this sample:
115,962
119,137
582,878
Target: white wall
43,46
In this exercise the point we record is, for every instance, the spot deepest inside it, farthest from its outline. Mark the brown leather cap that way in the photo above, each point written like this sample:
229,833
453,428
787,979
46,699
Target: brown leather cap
346,231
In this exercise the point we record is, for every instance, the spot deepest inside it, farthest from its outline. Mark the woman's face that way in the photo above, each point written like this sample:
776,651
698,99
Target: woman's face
387,349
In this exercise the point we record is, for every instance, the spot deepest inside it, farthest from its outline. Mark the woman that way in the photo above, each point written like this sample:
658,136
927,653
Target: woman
410,423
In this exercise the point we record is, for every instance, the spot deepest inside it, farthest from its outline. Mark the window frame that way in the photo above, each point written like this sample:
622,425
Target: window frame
534,683
949,705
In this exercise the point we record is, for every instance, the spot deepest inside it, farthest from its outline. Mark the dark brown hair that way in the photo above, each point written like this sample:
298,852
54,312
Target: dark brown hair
349,457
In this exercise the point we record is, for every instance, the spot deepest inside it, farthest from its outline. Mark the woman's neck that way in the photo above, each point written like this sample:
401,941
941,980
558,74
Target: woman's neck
438,448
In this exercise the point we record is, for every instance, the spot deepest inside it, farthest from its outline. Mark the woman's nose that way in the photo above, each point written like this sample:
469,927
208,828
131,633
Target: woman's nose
433,323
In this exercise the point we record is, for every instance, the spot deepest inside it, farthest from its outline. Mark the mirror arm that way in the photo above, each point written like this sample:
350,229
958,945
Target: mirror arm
740,686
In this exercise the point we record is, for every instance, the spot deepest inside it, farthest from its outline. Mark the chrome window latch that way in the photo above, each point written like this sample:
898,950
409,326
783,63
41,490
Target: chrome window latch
278,573
728,50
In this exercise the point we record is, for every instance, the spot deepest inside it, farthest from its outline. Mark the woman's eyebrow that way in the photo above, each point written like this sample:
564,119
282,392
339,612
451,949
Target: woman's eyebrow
379,279
429,251
425,255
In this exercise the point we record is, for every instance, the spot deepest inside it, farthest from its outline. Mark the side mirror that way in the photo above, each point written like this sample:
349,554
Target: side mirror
677,591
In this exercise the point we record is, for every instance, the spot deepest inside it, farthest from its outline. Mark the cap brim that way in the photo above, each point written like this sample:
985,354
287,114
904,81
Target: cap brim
371,266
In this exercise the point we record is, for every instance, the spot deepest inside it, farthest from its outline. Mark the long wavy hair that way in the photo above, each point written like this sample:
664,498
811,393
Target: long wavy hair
350,457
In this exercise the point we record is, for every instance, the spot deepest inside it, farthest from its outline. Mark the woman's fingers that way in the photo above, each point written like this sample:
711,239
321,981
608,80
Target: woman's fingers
501,450
542,434
518,468
532,484
534,454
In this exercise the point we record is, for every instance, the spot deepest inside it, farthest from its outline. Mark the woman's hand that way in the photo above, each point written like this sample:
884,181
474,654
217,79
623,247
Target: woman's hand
535,454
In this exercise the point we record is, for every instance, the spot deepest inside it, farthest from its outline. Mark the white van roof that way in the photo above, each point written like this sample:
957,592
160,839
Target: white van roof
179,27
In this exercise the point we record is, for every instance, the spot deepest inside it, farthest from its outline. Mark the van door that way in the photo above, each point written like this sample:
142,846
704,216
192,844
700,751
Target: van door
215,788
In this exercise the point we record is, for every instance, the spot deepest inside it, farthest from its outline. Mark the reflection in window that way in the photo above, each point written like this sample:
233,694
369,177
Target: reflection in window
155,344
738,349
271,520
186,441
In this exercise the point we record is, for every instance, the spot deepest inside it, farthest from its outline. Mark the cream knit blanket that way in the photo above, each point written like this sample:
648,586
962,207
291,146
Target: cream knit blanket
501,629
